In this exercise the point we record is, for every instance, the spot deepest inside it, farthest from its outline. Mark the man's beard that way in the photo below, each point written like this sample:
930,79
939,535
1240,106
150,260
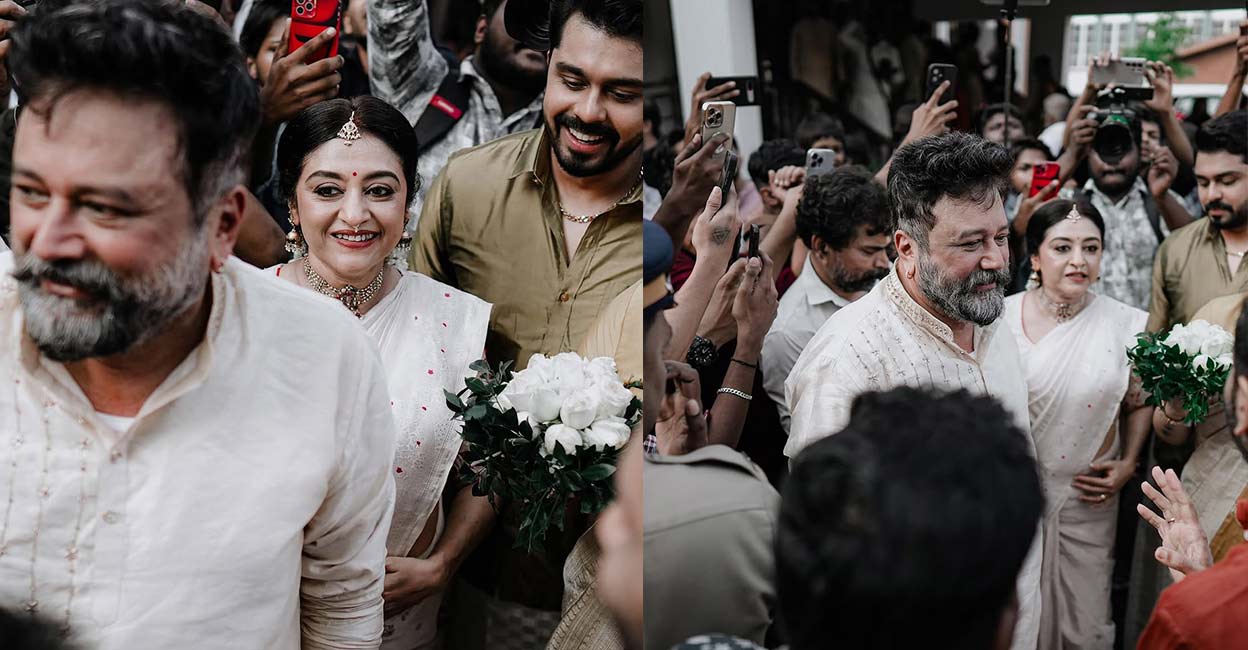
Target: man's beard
957,297
499,60
120,312
580,165
855,283
1236,217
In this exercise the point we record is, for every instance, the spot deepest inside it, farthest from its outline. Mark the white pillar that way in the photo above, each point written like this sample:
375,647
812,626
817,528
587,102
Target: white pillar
717,36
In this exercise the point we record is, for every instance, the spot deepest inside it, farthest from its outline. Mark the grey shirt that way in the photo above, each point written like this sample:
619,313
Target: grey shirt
710,523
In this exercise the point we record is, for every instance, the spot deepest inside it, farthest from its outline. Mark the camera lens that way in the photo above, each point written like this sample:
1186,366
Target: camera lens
1113,140
714,117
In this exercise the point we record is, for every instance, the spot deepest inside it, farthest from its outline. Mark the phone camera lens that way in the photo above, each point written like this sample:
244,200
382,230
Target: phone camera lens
714,117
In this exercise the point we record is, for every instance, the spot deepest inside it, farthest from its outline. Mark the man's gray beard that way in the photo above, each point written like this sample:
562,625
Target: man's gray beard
123,311
957,297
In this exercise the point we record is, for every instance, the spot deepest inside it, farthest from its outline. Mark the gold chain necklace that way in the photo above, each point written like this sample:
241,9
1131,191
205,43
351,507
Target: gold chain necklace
1062,311
590,217
349,296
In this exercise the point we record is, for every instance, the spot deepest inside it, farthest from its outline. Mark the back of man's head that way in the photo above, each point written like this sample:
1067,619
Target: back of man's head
1056,106
908,528
155,50
617,18
771,156
956,165
1227,132
834,206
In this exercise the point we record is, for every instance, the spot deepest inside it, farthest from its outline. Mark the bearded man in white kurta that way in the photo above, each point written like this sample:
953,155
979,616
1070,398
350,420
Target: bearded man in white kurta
932,321
193,455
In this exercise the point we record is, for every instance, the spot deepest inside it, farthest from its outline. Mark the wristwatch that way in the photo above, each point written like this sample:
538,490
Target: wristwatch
702,352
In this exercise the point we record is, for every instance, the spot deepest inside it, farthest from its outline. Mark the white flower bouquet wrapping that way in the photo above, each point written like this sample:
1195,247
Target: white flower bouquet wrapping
544,437
1189,364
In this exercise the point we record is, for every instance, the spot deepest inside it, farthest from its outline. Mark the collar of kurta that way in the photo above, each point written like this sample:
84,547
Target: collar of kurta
921,318
62,390
534,159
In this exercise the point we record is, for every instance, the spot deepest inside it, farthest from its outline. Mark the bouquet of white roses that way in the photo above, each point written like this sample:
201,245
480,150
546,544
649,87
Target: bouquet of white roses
1188,363
544,436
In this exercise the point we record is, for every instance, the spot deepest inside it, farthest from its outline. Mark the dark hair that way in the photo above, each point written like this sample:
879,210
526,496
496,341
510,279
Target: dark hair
488,7
1241,342
988,111
1029,144
618,18
771,155
908,528
263,14
156,50
1053,212
320,123
650,112
834,205
955,165
1227,132
817,126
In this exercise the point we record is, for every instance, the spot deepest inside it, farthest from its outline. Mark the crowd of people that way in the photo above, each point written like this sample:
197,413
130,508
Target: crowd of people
910,420
243,278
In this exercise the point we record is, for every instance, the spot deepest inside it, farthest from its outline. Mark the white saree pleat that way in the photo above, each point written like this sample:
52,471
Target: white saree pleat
1077,377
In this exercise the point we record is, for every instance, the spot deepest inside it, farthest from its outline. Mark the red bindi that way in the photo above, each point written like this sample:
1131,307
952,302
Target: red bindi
355,173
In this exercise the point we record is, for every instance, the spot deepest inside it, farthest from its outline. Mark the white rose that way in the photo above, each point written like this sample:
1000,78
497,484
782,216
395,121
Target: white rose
580,409
540,369
1199,361
569,373
615,399
544,404
564,436
608,432
1220,342
603,368
1225,361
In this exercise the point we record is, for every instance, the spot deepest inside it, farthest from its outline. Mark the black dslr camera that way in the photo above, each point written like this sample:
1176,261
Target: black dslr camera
1114,121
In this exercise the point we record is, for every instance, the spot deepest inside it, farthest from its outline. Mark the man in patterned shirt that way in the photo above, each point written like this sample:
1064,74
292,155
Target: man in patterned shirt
505,80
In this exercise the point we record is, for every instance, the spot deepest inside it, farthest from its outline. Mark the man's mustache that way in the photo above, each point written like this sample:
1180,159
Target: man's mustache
87,276
1218,205
600,130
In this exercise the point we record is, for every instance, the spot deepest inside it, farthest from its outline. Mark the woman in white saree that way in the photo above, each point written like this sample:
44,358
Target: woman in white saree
1088,418
348,170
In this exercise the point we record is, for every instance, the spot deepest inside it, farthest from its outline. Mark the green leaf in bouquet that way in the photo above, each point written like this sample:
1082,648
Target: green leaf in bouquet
453,402
476,411
480,365
598,472
478,387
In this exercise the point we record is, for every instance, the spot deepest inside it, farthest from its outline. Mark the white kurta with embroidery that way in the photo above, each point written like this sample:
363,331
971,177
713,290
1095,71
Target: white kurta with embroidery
885,340
247,504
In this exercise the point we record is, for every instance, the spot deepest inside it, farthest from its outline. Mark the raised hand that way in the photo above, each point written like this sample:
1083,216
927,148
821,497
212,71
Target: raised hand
1162,171
717,227
695,173
701,94
681,427
756,302
10,13
294,84
1184,548
932,117
1162,78
787,184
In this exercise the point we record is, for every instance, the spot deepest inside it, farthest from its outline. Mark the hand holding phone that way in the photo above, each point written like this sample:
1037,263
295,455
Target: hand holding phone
1041,175
718,117
938,73
308,19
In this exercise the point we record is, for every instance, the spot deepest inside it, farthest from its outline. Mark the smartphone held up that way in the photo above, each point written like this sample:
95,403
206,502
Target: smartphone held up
308,18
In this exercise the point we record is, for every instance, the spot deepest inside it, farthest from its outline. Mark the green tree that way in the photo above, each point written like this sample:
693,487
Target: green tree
1162,43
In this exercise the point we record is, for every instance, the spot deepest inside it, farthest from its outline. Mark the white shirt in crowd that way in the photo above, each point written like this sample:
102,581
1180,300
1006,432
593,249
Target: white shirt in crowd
247,504
884,340
805,307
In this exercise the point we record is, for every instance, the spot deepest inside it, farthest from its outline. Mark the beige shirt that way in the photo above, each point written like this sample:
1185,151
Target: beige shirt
1190,270
805,307
491,227
884,340
710,526
247,504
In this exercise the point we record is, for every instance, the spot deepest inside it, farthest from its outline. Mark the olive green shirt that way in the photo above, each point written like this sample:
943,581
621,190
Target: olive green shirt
491,226
1189,270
